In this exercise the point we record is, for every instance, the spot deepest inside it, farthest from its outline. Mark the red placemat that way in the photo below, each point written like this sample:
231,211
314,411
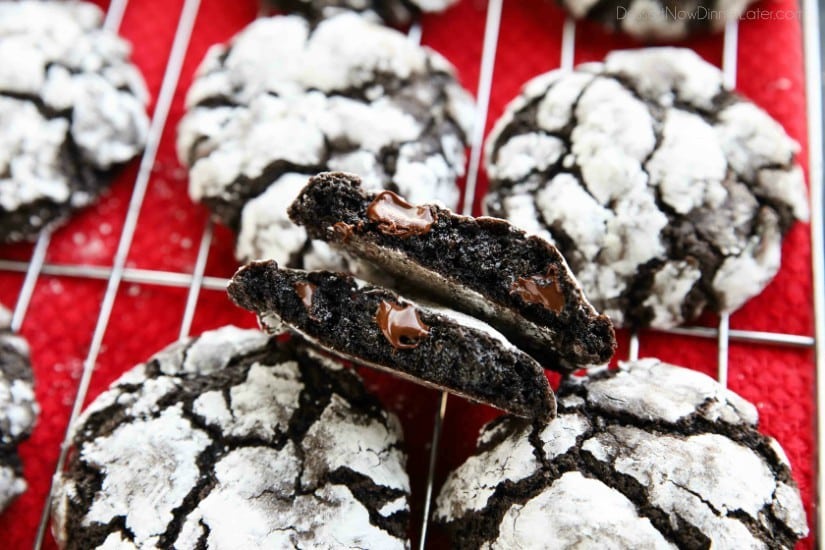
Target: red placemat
63,311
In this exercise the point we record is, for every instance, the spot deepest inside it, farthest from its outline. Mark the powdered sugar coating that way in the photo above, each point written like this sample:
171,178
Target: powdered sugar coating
18,408
267,232
230,439
72,109
659,20
578,512
471,487
678,394
665,191
393,12
648,456
285,100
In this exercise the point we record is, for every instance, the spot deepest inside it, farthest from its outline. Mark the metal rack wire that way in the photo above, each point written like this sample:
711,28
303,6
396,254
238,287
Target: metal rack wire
197,280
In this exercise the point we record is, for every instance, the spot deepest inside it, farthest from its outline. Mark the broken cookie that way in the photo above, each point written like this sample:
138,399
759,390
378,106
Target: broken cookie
485,267
376,327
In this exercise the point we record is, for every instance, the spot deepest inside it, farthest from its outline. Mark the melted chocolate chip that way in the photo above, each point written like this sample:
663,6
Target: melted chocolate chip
401,325
342,230
397,217
544,290
305,292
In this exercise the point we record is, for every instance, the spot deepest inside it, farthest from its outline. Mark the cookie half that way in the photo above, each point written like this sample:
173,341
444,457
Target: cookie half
647,456
376,327
72,111
658,20
665,191
392,12
232,440
483,266
18,409
286,99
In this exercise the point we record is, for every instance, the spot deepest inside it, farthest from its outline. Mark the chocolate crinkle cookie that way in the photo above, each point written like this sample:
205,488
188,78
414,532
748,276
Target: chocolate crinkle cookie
392,12
72,111
18,409
658,20
647,456
376,327
232,440
286,99
665,191
482,266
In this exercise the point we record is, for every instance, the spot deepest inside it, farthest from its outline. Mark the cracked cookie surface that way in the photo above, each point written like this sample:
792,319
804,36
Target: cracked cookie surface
285,100
18,408
658,20
72,111
647,456
392,12
665,191
232,439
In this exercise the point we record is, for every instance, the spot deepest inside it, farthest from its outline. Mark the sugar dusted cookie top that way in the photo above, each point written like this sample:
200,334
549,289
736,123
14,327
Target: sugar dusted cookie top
648,456
665,191
232,439
72,110
285,100
18,408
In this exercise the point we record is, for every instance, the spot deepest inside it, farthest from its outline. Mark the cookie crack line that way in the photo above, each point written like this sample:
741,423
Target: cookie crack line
759,531
637,493
200,490
581,464
49,113
364,489
484,524
663,482
689,425
749,191
564,134
176,379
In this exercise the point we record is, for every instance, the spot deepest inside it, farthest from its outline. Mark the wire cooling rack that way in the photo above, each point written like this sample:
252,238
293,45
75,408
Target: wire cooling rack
119,273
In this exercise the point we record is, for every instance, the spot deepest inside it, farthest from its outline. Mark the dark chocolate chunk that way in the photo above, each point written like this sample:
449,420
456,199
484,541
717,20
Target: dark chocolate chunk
72,113
397,217
401,325
541,289
305,291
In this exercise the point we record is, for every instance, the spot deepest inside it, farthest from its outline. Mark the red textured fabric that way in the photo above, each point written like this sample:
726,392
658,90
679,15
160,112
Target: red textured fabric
63,311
